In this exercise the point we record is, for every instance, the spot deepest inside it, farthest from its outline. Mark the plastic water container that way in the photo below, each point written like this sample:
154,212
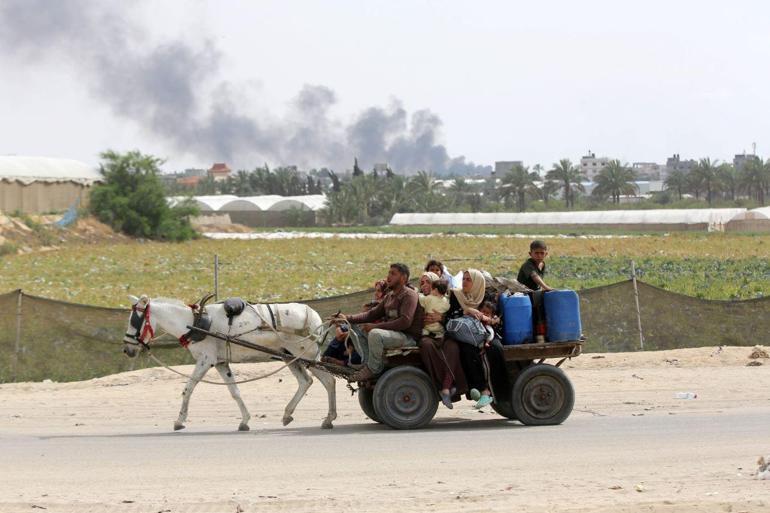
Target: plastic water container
562,315
517,317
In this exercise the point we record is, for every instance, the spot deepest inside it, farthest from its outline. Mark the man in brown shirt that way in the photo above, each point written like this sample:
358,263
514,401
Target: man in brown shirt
398,323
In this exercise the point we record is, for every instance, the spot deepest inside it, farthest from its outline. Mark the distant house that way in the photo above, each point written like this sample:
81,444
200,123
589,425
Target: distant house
219,172
590,165
188,181
675,162
741,159
503,166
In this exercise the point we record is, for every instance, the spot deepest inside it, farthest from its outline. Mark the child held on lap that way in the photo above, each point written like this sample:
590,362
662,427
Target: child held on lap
435,302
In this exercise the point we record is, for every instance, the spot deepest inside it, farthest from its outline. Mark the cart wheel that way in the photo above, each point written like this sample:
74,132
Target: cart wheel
366,401
505,409
542,396
404,398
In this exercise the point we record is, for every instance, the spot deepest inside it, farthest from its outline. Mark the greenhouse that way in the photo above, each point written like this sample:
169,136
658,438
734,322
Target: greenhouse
256,211
661,219
35,185
756,220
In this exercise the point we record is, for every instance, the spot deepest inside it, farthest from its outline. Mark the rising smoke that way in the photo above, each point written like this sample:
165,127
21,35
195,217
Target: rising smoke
167,90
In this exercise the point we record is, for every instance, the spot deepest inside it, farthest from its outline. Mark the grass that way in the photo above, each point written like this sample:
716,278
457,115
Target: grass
714,266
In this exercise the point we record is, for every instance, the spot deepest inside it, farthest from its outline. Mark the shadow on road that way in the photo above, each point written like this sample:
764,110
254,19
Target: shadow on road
366,428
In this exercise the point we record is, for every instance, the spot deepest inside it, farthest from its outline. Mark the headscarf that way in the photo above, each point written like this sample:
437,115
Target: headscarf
431,276
475,297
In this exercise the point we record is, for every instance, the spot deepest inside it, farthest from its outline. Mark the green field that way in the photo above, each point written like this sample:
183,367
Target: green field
714,266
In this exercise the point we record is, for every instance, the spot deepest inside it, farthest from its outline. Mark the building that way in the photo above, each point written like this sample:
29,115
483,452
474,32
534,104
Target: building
647,170
590,165
674,162
219,172
35,185
503,166
740,160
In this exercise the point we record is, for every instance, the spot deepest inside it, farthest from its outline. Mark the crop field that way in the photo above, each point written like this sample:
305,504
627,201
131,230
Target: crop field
713,266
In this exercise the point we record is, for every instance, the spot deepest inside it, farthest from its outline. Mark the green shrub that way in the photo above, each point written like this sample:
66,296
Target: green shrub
131,199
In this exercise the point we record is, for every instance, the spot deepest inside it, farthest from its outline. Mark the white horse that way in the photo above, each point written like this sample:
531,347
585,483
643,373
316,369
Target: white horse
283,327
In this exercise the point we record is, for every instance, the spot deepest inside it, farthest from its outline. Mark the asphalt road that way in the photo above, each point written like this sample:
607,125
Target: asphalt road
485,464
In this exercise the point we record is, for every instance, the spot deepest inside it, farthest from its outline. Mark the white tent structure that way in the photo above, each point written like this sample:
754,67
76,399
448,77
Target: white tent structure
265,210
662,219
755,220
41,184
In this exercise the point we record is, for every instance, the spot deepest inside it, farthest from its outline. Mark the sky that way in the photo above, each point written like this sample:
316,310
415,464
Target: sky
448,86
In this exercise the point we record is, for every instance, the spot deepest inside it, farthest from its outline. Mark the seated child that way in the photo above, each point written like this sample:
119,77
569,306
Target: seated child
340,350
380,289
490,320
435,302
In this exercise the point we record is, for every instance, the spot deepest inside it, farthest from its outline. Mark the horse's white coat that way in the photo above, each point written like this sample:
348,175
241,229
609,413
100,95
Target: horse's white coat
173,317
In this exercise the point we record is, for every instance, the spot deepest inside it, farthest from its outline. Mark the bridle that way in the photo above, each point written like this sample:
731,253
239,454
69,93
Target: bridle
142,326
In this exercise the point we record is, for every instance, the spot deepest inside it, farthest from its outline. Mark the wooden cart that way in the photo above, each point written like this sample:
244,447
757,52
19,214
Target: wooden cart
403,397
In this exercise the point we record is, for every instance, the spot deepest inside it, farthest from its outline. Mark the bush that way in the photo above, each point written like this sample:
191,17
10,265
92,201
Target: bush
131,199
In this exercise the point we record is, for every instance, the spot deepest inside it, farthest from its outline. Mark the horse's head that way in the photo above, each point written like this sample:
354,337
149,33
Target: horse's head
141,327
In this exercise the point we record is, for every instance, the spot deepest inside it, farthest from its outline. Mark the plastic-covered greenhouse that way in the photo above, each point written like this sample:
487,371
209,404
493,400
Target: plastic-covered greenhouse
756,220
662,219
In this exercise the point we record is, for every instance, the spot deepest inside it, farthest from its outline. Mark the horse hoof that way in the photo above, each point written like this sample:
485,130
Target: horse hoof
287,420
243,427
327,424
178,426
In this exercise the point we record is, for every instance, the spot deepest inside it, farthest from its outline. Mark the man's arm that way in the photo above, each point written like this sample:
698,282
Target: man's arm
378,312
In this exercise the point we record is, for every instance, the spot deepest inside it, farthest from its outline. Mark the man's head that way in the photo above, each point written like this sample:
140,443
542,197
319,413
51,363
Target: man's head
398,275
538,251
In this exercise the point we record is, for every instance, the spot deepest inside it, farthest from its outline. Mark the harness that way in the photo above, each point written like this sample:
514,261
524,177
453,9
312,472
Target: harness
142,325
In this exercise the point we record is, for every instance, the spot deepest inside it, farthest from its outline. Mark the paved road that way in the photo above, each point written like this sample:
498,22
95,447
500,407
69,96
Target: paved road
487,464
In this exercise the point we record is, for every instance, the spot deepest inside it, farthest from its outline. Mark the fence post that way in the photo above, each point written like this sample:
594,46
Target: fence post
17,345
216,277
638,311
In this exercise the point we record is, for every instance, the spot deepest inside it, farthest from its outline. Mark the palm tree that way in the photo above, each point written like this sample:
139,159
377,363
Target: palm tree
459,191
614,180
755,178
548,189
706,174
518,183
570,178
729,178
677,181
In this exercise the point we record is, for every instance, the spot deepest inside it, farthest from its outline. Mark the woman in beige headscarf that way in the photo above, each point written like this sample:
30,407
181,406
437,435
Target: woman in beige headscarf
478,366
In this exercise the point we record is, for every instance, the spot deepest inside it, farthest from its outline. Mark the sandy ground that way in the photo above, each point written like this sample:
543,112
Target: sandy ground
107,445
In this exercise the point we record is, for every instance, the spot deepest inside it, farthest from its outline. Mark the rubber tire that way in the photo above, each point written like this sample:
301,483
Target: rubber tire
542,396
366,401
404,398
504,409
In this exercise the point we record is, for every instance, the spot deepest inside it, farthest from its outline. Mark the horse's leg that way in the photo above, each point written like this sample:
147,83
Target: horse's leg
227,377
202,366
329,383
304,381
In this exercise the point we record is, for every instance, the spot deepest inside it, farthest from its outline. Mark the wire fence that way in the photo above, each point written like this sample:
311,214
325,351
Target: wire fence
43,338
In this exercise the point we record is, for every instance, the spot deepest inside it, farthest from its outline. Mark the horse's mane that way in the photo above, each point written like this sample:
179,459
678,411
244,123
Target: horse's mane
168,301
